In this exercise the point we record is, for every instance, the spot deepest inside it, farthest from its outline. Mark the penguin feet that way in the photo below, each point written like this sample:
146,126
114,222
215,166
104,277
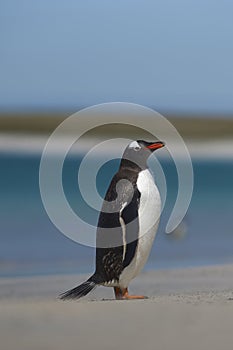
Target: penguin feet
123,294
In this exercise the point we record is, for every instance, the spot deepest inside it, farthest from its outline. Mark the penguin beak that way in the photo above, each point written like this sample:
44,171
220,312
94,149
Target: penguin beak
152,146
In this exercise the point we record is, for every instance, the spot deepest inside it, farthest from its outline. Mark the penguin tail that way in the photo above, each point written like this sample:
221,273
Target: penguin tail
81,290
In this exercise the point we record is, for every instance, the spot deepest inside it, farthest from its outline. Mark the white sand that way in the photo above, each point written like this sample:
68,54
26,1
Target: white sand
31,144
187,309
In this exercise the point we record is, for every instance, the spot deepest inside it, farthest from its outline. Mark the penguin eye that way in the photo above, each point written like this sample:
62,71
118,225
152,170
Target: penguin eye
137,148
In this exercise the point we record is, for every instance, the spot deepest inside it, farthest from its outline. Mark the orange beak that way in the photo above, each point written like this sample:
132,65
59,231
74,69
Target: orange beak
155,145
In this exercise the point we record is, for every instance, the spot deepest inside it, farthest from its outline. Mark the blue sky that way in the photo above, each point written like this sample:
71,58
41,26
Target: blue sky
174,55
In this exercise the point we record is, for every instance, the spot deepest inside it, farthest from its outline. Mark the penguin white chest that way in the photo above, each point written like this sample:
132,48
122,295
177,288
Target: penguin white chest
148,215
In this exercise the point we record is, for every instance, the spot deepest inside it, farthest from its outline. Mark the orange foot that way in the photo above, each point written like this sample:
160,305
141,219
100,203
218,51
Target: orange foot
123,294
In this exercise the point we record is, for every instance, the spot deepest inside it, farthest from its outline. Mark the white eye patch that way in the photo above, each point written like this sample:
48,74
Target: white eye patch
135,145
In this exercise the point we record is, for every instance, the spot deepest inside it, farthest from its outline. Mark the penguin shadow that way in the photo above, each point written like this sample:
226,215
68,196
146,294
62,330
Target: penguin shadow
96,298
102,300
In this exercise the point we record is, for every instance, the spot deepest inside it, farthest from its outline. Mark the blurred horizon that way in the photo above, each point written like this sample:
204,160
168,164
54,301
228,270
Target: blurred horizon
194,127
66,111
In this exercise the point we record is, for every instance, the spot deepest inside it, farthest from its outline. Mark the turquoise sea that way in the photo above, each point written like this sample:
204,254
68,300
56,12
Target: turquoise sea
31,245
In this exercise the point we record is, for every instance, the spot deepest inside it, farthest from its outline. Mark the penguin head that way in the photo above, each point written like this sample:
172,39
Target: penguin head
144,145
138,152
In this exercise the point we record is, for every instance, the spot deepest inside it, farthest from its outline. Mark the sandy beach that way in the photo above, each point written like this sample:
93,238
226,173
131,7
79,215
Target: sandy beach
186,309
19,144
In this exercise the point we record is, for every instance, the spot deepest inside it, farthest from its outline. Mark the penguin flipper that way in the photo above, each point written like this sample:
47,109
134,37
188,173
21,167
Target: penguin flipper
115,251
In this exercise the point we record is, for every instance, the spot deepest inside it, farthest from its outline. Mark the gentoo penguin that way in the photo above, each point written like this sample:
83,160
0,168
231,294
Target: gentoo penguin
127,224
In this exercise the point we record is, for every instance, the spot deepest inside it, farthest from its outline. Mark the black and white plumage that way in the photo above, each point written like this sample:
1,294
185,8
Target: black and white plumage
127,224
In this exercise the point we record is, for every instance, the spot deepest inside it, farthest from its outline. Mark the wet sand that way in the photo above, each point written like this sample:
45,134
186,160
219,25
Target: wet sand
187,309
